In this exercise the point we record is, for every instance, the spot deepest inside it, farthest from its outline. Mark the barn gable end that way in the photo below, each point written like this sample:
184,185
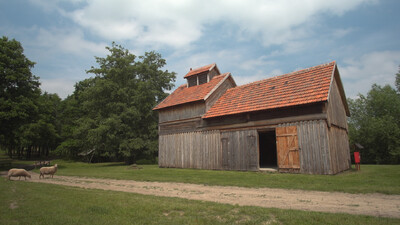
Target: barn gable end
296,122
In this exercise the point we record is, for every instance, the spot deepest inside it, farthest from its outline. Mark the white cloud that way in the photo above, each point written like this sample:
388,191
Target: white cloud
63,87
358,74
70,41
180,23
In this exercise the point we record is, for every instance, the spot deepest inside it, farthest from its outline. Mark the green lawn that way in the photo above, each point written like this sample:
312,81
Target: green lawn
371,179
35,203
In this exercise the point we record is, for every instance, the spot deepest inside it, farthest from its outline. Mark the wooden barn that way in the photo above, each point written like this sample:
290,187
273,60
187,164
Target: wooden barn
295,122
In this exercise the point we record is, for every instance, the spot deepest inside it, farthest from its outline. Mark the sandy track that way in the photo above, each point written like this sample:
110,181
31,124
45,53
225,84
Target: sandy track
333,202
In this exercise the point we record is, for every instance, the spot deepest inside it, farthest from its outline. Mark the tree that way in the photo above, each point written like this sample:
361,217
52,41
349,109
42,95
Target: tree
19,92
375,124
116,105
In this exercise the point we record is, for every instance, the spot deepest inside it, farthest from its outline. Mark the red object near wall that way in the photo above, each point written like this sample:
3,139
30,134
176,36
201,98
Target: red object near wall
357,158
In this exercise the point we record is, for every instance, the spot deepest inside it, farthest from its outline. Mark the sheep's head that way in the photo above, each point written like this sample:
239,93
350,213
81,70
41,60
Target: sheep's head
55,165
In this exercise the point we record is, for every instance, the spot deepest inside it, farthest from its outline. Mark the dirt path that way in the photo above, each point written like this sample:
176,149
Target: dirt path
366,204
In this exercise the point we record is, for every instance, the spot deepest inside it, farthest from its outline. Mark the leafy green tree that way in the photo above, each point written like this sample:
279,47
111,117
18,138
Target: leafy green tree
375,124
116,106
19,93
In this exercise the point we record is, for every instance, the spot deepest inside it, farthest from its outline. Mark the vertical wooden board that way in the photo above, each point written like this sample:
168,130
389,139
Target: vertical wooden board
231,154
295,154
216,151
287,147
184,140
313,168
160,141
164,151
324,146
193,153
309,149
234,152
333,151
240,150
321,139
208,143
280,146
316,148
225,155
219,144
194,158
252,151
206,161
177,142
303,151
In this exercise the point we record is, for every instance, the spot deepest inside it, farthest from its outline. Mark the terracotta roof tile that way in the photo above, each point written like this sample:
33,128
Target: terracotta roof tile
296,88
184,94
200,70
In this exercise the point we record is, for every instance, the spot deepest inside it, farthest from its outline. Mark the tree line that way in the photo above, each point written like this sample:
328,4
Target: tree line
109,114
375,124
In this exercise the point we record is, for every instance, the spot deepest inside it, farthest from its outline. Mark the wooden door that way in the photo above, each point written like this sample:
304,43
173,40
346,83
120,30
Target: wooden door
287,146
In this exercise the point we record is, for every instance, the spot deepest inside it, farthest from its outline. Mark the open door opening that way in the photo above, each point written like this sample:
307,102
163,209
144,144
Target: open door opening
267,150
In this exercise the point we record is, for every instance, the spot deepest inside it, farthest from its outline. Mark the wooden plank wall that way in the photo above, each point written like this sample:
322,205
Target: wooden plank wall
338,137
218,93
336,111
179,127
200,150
240,150
185,111
314,146
339,149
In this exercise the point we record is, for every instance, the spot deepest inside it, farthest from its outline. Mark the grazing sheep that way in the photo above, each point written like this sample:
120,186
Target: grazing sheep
18,173
48,170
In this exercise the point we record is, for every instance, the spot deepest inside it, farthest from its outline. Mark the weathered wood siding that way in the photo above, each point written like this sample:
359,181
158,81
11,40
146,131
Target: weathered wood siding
314,146
218,93
240,150
192,81
338,131
181,112
190,125
336,111
200,150
202,78
212,74
339,149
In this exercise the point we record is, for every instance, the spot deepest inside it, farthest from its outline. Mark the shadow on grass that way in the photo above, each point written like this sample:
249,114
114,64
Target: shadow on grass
114,164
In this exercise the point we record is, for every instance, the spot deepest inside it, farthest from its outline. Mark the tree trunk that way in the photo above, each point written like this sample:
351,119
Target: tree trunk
10,152
28,152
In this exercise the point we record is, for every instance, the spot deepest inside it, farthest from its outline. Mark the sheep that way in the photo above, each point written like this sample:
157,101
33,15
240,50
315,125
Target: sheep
18,173
48,170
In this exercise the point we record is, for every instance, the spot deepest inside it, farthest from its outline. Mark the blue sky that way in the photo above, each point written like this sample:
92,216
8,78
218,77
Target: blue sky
253,39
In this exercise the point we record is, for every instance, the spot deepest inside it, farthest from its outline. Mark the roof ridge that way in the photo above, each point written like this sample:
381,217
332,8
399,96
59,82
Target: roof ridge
287,74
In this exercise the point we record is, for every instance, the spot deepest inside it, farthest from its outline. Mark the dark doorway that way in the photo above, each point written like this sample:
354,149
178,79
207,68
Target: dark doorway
268,158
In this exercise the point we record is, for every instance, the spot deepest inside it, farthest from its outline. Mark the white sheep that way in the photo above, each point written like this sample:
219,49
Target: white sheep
18,173
48,170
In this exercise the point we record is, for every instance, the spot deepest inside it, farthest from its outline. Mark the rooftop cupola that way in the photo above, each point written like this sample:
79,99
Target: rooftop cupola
201,75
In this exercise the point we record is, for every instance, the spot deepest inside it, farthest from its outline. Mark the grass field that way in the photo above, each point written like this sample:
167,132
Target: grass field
371,179
35,203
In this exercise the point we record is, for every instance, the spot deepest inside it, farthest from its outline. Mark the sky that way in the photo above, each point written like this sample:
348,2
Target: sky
252,39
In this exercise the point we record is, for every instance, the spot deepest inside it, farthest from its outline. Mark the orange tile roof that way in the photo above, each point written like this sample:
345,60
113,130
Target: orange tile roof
184,94
296,88
199,70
